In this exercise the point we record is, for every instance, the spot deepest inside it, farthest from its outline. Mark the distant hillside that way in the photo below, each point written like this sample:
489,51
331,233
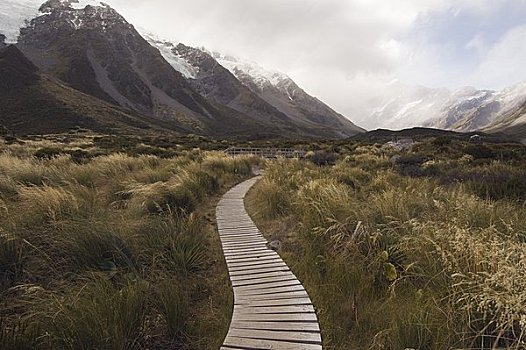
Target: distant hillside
35,103
383,135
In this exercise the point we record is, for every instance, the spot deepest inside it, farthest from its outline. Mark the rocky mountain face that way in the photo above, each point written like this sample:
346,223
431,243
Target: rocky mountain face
34,103
94,50
15,69
248,88
216,83
283,93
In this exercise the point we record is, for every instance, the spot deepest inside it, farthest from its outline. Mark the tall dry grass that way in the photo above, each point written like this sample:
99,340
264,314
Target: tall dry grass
86,249
432,266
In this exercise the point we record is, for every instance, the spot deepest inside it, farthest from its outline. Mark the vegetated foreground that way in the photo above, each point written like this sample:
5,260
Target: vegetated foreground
107,242
439,261
103,250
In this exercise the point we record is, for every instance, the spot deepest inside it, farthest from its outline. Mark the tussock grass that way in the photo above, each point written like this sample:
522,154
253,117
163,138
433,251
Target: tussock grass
434,264
111,251
174,306
100,316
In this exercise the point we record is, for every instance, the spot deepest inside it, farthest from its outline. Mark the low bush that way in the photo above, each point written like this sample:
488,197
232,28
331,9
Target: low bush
322,158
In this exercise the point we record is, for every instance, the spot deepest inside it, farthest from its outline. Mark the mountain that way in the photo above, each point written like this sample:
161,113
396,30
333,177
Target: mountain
217,84
94,50
281,102
90,47
407,106
463,110
283,93
34,103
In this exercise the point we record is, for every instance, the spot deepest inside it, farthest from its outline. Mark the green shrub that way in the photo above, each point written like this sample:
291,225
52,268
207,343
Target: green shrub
21,335
96,247
323,158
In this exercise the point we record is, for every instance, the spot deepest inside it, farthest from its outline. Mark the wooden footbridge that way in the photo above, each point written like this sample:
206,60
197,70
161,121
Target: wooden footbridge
272,310
266,152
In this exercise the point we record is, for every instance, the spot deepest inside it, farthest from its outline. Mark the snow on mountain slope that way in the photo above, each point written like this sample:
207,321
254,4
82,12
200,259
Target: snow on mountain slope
261,77
408,106
466,109
283,93
13,14
168,49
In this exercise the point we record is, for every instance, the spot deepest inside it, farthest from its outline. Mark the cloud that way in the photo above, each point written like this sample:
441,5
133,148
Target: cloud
504,64
338,50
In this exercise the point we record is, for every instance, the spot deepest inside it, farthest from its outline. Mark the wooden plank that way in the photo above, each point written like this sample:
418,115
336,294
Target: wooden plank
241,256
251,259
250,250
237,233
296,337
263,278
240,299
301,317
251,263
292,309
284,289
243,245
278,326
257,344
235,238
258,272
237,241
254,249
262,282
275,302
242,269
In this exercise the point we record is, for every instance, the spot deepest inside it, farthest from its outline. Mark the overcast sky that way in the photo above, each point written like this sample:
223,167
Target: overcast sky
347,51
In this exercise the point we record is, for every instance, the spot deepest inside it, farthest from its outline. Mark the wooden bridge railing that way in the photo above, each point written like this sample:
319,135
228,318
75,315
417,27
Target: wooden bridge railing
266,152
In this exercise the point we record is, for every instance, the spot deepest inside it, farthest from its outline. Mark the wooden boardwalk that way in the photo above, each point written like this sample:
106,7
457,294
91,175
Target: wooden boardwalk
271,153
272,310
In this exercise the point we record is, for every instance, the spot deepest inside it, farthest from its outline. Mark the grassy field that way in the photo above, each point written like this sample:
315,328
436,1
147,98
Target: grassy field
422,249
109,242
105,250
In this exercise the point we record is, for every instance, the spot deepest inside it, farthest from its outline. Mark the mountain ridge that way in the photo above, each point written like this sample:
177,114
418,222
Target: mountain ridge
93,49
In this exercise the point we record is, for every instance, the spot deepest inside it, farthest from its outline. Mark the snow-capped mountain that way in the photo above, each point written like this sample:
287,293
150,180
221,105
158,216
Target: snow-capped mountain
466,109
283,93
96,51
407,106
249,88
481,109
92,48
